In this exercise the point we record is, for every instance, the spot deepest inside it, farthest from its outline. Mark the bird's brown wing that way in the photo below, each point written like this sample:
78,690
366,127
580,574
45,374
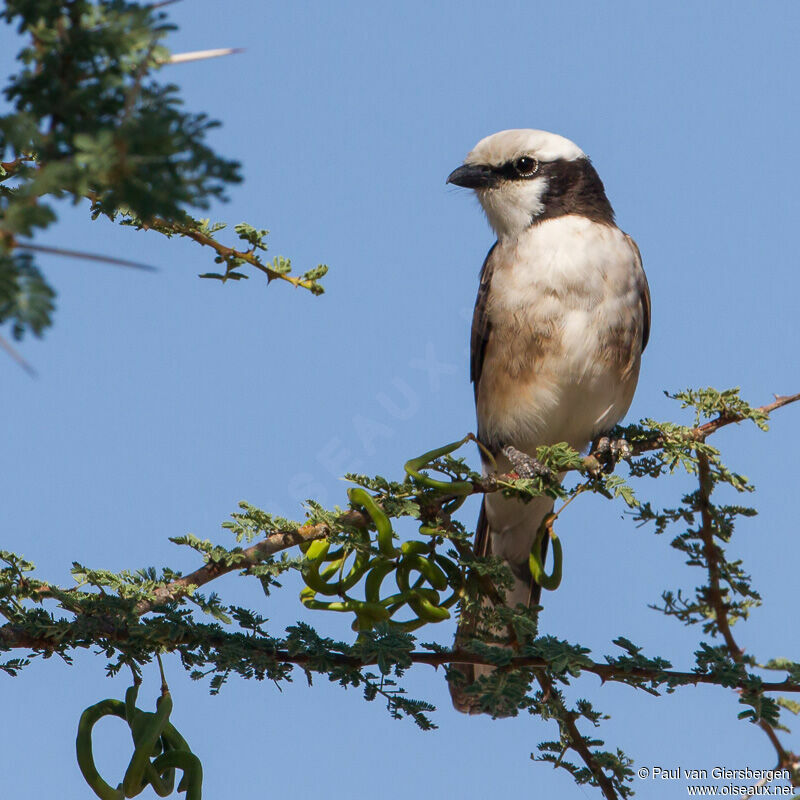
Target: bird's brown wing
644,297
481,327
481,330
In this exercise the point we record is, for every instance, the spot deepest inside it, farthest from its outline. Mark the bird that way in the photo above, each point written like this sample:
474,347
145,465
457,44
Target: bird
561,320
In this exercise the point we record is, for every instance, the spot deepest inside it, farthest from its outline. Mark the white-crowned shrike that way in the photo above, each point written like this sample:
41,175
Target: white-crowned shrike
560,323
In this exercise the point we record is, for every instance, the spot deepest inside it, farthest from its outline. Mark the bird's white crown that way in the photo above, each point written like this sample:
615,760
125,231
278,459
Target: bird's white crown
505,146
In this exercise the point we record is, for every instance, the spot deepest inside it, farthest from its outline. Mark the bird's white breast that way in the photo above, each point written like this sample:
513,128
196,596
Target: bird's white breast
566,324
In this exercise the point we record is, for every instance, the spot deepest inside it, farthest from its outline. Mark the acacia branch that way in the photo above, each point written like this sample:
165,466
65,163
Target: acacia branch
13,636
711,554
577,741
227,254
699,433
249,557
726,419
714,594
282,540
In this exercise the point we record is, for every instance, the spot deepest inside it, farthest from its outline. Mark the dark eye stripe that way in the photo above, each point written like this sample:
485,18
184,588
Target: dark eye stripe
513,170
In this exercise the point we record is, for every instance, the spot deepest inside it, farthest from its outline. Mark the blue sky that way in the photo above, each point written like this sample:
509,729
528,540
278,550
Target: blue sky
162,400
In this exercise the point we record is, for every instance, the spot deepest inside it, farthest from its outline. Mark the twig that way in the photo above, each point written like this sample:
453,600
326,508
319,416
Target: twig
711,554
10,167
715,424
60,251
700,433
577,740
226,253
12,351
248,557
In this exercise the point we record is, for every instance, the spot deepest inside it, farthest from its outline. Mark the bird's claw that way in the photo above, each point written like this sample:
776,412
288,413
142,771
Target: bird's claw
606,454
526,466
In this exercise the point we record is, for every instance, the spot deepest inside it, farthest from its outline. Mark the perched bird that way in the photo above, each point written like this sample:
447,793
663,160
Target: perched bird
561,319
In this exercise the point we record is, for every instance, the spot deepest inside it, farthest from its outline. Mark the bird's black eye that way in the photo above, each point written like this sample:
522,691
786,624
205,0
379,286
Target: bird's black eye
526,166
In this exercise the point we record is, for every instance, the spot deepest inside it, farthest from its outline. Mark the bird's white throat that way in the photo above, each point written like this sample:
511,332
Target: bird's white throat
513,205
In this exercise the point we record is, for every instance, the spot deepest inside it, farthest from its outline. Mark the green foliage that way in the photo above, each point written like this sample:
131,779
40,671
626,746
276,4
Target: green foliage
26,300
92,120
252,522
613,768
726,405
85,105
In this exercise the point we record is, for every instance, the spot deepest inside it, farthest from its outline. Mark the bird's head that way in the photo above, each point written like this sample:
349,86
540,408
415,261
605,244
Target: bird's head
524,176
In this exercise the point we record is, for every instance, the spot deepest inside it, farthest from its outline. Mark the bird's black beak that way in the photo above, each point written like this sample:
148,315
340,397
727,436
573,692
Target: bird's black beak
473,176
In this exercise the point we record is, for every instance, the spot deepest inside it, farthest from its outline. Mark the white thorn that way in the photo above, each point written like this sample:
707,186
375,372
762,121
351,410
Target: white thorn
199,55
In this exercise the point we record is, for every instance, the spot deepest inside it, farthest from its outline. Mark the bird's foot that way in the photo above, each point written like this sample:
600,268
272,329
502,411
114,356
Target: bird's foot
606,454
526,466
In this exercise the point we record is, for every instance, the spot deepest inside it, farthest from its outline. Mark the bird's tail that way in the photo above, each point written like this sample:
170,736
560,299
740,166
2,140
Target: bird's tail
525,591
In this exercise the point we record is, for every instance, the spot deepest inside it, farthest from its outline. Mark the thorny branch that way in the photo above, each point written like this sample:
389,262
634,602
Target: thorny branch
249,557
12,636
577,740
286,539
228,254
786,760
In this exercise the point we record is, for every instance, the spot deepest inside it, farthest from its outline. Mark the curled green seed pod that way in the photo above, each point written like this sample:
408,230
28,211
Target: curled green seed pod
162,783
160,774
189,763
319,580
412,546
83,747
396,601
552,581
365,618
426,610
381,568
415,465
130,702
425,566
305,546
356,572
429,530
374,610
317,550
145,742
360,497
454,578
172,739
